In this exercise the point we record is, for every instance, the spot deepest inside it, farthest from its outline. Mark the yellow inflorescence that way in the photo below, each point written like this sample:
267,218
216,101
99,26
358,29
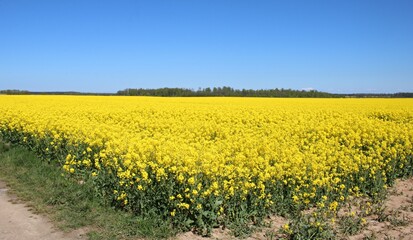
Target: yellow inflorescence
207,154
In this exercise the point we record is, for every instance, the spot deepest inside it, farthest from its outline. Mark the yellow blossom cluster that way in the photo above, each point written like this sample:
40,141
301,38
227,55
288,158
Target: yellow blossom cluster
206,157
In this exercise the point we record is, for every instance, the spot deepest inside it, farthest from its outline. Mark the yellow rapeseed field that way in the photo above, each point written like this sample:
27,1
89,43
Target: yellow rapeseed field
203,161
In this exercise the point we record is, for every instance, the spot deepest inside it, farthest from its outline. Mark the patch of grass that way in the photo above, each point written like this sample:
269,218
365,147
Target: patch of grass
72,205
350,224
396,218
379,210
387,237
371,236
308,226
4,147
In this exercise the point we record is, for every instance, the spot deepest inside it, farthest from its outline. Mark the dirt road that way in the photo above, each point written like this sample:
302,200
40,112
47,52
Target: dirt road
18,223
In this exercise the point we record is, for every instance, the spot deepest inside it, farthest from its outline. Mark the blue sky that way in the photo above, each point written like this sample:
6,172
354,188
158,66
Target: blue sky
103,46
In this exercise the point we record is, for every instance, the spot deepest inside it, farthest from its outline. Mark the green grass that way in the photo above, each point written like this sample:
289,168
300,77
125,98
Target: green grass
70,204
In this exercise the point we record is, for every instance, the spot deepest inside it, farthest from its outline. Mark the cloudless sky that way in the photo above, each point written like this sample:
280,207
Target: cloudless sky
338,46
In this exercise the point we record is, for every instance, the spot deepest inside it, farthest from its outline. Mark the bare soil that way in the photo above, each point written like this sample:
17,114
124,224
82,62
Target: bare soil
398,215
18,222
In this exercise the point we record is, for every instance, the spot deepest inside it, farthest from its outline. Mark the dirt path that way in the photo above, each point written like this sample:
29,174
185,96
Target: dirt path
18,223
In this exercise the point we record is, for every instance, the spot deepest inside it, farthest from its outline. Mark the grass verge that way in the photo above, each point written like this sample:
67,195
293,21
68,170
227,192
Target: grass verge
70,204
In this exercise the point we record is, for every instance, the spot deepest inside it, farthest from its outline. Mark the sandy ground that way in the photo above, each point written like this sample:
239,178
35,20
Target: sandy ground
398,212
18,223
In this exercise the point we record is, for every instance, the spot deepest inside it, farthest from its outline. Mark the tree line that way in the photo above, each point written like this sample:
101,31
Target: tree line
219,92
223,92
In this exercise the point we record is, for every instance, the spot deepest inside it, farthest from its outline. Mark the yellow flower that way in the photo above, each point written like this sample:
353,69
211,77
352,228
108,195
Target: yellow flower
219,148
183,205
363,221
333,206
191,180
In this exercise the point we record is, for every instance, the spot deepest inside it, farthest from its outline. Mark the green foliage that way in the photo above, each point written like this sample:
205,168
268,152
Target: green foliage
309,226
223,91
350,224
70,203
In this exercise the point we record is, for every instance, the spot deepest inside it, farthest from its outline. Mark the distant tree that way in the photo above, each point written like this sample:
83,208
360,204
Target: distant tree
223,91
